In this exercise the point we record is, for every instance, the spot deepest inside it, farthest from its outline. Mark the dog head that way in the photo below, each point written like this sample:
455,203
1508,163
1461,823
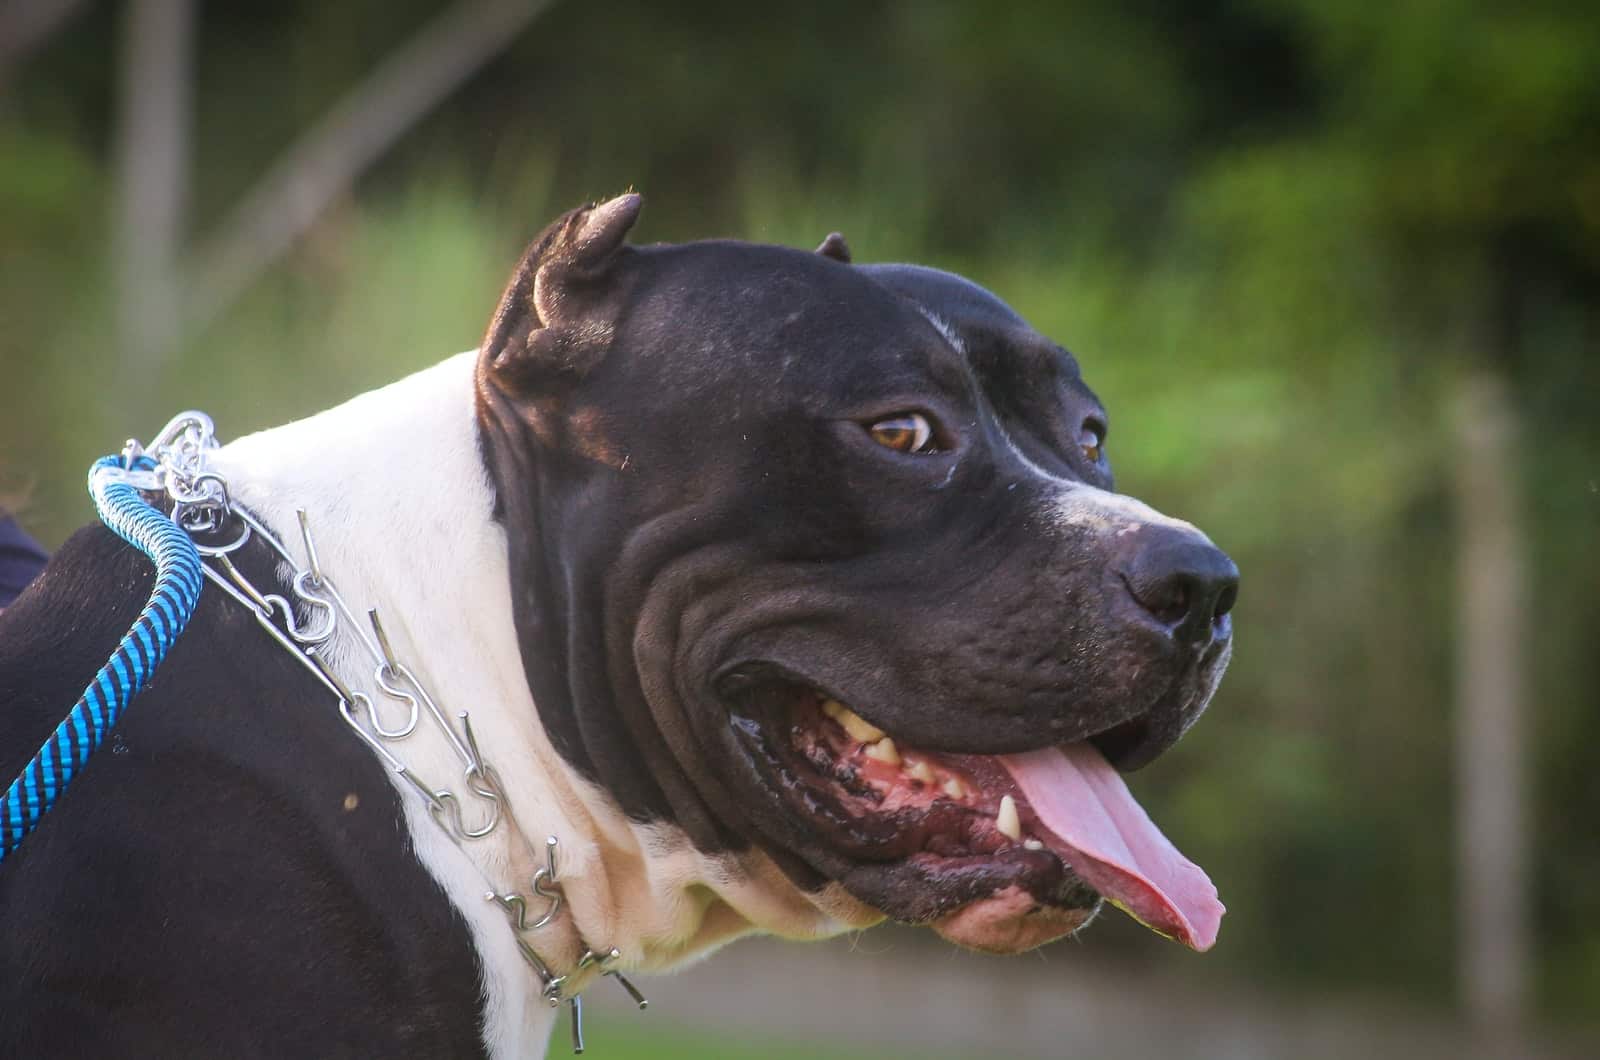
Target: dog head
826,559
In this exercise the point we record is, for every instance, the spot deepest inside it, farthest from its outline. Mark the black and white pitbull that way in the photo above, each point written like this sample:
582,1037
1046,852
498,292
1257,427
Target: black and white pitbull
790,594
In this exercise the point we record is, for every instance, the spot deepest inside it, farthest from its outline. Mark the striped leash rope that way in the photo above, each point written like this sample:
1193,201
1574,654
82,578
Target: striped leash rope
114,483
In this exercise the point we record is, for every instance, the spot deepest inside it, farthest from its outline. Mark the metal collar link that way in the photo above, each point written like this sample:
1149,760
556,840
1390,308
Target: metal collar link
305,627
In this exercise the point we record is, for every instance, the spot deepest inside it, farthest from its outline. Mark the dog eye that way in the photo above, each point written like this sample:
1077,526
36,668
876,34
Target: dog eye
909,432
1092,439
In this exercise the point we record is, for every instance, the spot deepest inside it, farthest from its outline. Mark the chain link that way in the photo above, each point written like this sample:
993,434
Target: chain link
306,626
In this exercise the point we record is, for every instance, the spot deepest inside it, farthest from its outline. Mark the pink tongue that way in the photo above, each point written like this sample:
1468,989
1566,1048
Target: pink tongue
1111,843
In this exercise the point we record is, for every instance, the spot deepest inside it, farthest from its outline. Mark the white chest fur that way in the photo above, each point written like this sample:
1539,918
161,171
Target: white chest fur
400,506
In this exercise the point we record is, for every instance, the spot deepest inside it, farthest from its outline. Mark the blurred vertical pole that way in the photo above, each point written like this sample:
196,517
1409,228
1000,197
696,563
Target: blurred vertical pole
1492,821
152,184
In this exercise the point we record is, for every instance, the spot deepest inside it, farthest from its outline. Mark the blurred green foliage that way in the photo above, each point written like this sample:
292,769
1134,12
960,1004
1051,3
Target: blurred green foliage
1276,233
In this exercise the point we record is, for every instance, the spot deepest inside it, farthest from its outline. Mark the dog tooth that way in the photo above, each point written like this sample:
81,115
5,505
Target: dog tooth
832,708
1032,844
884,751
1007,821
858,727
920,770
954,788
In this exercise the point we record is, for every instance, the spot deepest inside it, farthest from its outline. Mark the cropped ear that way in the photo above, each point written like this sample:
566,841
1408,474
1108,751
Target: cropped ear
551,320
835,247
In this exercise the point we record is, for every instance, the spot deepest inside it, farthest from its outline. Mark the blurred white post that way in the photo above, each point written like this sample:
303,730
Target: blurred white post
154,97
1492,708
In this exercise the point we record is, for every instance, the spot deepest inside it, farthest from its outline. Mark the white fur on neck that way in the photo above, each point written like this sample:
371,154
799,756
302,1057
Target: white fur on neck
400,509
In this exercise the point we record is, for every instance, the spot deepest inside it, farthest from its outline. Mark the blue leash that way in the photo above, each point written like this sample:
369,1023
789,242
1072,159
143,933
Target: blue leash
172,603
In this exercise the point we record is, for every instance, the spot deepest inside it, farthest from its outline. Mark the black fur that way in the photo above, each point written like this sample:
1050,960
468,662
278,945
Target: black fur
200,889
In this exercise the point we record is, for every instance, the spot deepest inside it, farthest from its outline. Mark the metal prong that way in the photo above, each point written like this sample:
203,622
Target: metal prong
534,959
429,796
131,451
515,906
377,629
610,957
422,789
244,584
633,991
547,875
327,671
311,549
577,1023
476,764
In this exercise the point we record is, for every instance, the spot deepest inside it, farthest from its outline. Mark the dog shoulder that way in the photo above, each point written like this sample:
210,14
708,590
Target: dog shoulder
231,869
60,631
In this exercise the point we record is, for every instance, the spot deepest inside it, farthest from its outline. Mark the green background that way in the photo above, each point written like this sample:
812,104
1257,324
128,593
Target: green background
1280,235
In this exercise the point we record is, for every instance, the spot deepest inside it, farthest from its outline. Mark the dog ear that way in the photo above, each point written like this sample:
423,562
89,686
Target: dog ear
544,327
835,247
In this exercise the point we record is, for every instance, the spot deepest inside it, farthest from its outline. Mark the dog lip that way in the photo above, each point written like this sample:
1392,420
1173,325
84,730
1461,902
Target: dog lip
954,822
1012,921
1120,741
737,679
741,676
875,812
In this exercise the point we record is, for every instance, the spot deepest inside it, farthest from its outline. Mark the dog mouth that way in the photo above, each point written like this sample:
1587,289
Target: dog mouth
1000,851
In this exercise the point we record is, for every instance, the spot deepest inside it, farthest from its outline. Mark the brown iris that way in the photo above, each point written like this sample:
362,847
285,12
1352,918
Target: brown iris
908,432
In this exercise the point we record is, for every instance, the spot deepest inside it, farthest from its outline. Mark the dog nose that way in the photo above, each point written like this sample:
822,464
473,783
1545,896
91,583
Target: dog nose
1184,581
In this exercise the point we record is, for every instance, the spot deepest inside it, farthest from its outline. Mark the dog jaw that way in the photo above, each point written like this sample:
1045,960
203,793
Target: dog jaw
1010,921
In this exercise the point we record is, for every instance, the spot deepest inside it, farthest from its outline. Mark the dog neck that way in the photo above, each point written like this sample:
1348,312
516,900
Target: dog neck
401,510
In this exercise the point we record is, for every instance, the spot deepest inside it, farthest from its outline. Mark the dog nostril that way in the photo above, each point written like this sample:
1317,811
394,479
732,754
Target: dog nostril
1225,601
1184,582
1168,601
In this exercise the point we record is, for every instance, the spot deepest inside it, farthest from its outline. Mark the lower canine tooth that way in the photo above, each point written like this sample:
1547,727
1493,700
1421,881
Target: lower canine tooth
1007,821
858,727
884,751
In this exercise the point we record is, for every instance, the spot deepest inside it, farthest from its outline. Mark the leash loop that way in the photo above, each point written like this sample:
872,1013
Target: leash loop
114,483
